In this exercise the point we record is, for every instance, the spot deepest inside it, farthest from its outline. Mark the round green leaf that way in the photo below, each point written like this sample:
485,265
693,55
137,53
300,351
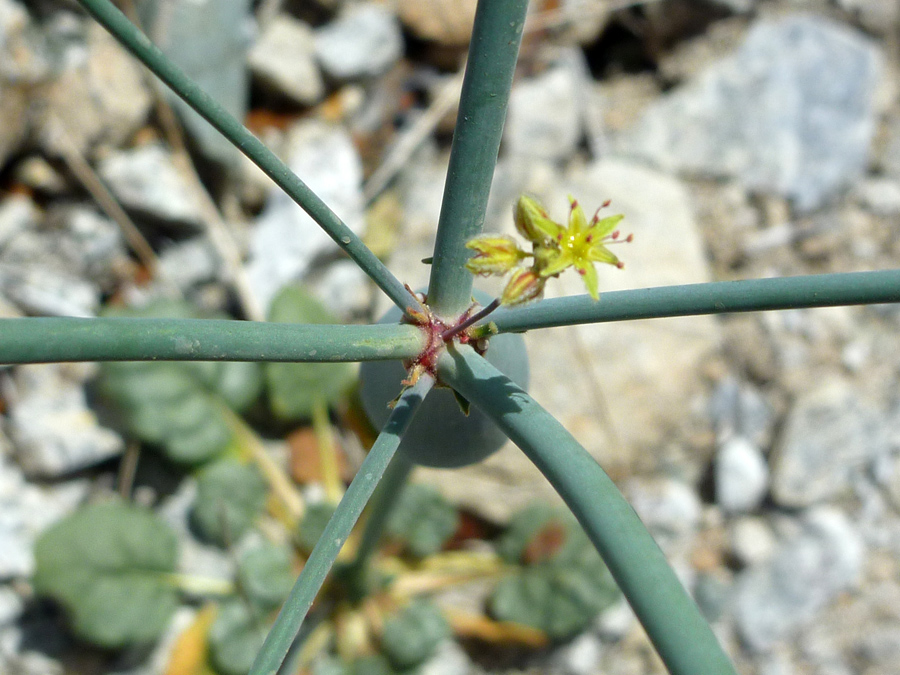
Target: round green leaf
561,583
411,635
234,638
107,565
230,497
423,520
265,575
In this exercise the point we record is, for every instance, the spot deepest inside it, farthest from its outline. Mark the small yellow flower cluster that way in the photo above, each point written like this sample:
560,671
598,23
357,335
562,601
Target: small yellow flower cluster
555,248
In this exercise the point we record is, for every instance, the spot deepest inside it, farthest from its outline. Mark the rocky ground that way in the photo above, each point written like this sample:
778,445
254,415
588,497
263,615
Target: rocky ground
740,138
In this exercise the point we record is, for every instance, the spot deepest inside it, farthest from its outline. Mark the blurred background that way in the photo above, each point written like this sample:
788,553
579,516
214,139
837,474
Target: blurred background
741,139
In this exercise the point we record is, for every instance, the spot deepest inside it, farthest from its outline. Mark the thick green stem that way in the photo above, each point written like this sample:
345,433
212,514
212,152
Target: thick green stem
673,622
47,340
493,50
151,56
290,618
721,297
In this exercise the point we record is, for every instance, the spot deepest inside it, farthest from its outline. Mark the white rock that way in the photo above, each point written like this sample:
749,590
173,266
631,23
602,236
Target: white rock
769,115
880,195
742,475
670,509
448,659
363,42
283,58
189,262
581,656
286,240
544,118
751,540
344,289
146,179
616,622
51,426
25,511
11,605
17,214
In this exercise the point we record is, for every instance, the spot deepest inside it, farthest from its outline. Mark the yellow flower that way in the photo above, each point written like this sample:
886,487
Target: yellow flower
493,255
581,244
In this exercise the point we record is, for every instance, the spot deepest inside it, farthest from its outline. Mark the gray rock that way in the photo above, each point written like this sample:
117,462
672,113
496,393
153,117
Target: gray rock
544,118
807,572
283,59
146,180
208,39
830,439
742,475
791,112
739,409
286,240
363,42
25,511
99,97
88,244
43,271
189,263
53,430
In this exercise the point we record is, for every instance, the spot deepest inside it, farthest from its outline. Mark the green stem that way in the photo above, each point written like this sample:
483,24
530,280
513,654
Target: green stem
152,57
383,502
493,50
721,297
290,618
47,340
673,622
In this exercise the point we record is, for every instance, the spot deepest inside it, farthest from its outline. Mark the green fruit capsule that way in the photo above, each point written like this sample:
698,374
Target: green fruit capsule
440,435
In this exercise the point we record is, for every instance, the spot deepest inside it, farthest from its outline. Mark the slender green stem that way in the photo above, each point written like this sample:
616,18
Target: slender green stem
152,57
493,50
673,622
386,496
290,618
47,340
721,297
